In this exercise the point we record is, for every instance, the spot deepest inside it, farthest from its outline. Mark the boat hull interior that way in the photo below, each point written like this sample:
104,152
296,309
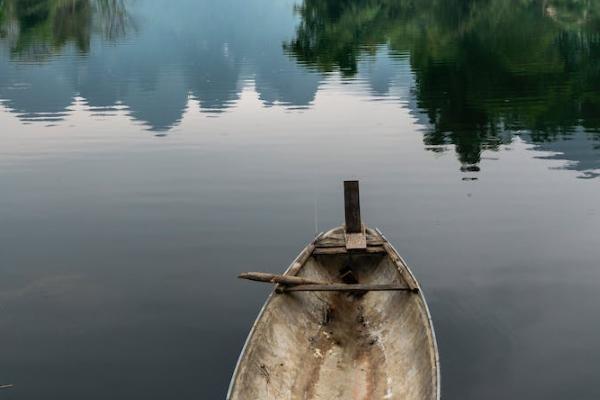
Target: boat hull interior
339,345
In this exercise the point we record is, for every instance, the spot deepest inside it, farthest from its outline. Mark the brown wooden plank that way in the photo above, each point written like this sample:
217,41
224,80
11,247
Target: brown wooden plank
343,250
337,243
355,241
352,207
342,243
343,287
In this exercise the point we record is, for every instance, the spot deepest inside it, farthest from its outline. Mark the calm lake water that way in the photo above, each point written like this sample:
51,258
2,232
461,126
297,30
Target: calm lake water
151,150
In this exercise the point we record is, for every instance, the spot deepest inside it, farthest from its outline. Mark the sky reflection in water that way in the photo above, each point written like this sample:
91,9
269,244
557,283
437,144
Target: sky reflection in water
488,71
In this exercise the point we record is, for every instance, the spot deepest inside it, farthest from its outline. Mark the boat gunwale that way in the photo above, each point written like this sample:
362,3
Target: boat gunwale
262,311
436,354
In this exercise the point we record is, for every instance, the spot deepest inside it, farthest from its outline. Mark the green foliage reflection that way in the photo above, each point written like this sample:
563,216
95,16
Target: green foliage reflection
484,68
36,29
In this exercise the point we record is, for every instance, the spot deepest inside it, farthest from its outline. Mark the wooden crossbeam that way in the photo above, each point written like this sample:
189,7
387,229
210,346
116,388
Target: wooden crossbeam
344,287
344,250
287,283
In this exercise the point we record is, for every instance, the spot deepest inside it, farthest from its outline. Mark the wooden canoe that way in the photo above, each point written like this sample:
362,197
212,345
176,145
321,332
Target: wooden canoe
340,344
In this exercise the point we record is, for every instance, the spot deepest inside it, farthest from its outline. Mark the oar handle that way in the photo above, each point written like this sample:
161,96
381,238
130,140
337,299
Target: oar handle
280,279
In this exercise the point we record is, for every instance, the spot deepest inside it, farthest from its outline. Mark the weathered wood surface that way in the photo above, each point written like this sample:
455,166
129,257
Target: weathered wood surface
402,267
352,207
297,284
356,241
272,278
345,287
344,250
341,243
329,345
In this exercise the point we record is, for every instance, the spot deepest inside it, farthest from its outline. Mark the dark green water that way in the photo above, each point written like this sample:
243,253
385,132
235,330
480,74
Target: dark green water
152,150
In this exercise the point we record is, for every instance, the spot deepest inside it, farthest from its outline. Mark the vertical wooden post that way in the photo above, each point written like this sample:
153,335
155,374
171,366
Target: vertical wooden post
352,207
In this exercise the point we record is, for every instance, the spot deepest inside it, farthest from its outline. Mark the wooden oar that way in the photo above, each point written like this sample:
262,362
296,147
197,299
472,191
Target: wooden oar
297,284
281,279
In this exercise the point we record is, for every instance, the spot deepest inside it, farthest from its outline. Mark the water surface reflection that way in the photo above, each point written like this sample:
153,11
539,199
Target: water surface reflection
479,72
484,70
467,123
179,53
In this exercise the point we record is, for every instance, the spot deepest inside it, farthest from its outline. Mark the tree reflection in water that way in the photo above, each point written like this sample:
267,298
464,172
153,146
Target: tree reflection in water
485,70
38,29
